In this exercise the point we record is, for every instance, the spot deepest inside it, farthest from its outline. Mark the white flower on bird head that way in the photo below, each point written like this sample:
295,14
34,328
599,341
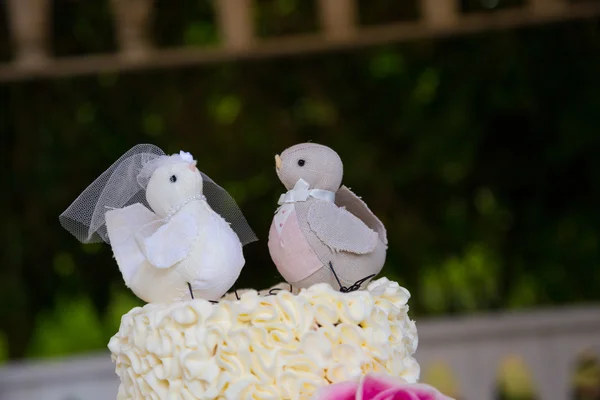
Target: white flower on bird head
185,156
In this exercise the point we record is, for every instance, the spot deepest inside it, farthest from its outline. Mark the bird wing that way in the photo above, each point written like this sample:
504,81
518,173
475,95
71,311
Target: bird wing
121,226
344,197
166,243
339,229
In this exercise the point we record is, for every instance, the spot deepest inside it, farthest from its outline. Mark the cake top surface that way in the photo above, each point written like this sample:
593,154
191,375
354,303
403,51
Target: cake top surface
274,344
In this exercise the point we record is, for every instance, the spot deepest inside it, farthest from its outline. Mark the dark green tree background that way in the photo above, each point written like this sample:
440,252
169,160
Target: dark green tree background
479,153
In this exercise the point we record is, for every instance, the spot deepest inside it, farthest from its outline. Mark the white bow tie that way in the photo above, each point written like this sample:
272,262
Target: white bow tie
300,192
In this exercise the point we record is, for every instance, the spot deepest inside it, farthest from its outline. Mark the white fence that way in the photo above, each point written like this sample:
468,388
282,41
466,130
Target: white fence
549,342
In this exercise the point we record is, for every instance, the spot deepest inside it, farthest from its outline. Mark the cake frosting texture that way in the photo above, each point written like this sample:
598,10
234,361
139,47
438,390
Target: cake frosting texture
271,345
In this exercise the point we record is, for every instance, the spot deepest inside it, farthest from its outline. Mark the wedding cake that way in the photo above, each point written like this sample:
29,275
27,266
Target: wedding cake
273,345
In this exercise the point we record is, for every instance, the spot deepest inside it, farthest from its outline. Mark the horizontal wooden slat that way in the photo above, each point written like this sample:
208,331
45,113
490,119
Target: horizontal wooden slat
548,6
295,45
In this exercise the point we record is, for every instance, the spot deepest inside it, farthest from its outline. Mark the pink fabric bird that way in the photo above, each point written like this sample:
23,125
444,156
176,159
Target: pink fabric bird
322,232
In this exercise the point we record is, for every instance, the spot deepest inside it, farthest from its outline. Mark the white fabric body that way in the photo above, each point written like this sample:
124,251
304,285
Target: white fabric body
159,257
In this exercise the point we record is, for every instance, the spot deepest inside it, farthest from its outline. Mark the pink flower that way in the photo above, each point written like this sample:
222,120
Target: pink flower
379,387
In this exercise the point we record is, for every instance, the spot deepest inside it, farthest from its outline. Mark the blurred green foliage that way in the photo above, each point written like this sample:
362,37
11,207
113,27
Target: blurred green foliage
187,23
285,17
82,27
386,11
5,50
478,153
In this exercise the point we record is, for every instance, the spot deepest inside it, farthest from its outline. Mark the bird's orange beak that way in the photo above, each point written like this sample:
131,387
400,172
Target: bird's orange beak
277,161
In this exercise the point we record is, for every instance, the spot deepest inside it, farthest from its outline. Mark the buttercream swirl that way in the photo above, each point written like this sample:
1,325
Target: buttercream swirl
272,345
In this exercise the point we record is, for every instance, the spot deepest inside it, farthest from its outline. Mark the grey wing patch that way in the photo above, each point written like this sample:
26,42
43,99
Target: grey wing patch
340,230
344,197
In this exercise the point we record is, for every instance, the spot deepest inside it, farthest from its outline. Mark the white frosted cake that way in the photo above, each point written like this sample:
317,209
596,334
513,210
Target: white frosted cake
272,345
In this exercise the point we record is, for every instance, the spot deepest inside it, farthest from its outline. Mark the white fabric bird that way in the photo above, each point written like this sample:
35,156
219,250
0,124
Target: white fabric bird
179,246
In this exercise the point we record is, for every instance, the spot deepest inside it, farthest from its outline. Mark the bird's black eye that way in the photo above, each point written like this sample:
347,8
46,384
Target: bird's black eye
173,178
301,162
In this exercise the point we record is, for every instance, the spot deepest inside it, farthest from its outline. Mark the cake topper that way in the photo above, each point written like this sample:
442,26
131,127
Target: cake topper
174,233
323,232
